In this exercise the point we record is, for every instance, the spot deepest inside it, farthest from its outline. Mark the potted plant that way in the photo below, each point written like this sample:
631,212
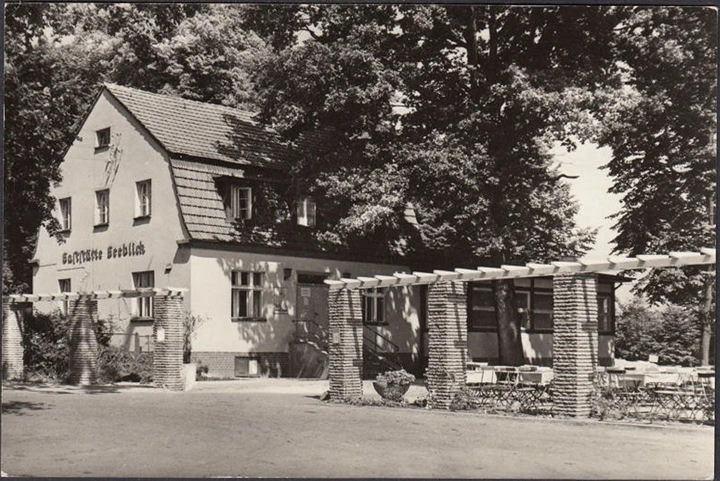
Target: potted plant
392,385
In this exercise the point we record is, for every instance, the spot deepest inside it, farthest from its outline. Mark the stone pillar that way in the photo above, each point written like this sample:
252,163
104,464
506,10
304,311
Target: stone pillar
12,348
447,341
575,342
168,339
83,343
346,345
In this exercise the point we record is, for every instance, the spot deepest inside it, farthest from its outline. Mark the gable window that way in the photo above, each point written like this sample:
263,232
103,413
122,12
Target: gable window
65,286
373,305
246,293
605,307
306,212
66,214
144,306
240,202
102,207
143,198
102,138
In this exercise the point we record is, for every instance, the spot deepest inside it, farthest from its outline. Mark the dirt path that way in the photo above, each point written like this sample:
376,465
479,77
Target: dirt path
245,432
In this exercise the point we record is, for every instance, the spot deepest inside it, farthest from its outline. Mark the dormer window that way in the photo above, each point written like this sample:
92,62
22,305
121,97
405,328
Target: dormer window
102,138
240,202
306,212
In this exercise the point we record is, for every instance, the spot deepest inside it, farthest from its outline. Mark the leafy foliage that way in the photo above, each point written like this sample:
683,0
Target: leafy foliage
673,333
191,323
118,364
46,343
395,377
661,126
56,58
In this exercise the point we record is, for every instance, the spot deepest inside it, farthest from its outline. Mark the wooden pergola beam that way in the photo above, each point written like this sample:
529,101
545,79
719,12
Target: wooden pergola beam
705,256
114,294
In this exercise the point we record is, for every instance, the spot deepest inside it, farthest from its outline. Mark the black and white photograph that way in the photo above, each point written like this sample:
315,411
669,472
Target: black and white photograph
359,240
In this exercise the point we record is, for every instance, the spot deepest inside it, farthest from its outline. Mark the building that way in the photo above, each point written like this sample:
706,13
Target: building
159,191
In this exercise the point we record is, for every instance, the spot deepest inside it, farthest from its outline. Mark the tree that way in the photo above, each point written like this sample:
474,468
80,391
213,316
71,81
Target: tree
485,89
661,127
56,59
671,333
45,92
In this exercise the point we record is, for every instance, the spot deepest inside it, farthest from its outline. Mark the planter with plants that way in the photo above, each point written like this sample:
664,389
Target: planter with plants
392,385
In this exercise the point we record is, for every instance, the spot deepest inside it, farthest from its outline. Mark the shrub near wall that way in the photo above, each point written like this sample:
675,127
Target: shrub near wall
46,344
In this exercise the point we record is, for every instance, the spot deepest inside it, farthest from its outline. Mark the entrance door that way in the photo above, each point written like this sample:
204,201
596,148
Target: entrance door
312,302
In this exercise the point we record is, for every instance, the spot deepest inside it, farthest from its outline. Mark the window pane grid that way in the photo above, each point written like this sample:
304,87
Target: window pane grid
246,294
144,305
374,305
65,286
66,213
306,212
241,202
143,199
102,200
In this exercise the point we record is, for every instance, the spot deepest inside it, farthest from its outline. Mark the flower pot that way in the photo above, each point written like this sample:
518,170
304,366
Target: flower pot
391,392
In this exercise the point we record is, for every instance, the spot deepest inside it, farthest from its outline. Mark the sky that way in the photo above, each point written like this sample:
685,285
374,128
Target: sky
590,189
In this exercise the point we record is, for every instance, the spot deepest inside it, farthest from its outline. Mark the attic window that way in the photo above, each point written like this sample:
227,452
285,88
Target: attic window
240,202
102,138
306,212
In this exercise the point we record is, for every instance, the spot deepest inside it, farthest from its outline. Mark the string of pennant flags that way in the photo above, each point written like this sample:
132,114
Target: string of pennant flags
705,256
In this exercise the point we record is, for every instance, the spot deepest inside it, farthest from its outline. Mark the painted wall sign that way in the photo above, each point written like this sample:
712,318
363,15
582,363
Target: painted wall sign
131,249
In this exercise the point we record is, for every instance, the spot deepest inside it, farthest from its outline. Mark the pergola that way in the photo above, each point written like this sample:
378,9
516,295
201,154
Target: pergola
83,312
574,335
574,339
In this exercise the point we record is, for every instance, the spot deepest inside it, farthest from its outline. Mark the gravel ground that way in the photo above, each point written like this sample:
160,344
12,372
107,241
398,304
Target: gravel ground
279,428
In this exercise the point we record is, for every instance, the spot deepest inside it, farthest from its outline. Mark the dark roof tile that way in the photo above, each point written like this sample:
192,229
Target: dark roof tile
203,130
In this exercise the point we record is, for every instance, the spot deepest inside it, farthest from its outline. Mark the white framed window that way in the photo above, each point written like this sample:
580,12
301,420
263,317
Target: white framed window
66,213
144,306
102,207
306,212
102,138
241,202
373,305
246,295
143,198
65,286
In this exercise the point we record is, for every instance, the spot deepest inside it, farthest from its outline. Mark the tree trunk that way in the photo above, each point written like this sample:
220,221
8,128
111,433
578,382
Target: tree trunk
707,321
510,349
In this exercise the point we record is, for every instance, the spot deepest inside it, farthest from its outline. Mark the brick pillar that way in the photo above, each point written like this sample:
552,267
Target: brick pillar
575,342
83,344
346,344
168,338
447,342
12,348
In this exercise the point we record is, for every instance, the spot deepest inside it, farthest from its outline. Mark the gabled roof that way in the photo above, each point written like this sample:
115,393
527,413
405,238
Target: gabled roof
204,131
